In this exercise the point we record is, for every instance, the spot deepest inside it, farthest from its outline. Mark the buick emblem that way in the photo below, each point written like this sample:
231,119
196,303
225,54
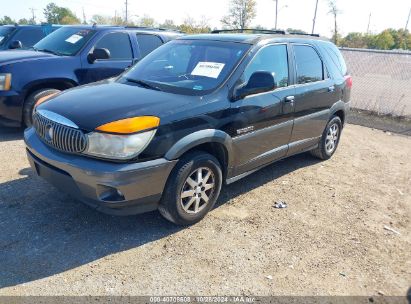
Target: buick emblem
49,132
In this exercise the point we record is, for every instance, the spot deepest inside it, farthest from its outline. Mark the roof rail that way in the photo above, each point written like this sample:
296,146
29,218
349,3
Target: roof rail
303,34
153,28
261,31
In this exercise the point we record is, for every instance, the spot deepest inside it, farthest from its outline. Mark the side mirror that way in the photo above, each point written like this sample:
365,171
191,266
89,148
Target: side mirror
259,82
16,44
98,54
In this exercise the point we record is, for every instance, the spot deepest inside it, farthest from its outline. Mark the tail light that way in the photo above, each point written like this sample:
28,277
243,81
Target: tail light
348,81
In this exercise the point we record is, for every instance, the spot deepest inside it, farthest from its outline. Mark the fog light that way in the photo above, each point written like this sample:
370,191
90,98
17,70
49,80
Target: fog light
109,194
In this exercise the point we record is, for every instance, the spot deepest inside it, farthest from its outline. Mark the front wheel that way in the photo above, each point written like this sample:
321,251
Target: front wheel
31,102
192,189
329,139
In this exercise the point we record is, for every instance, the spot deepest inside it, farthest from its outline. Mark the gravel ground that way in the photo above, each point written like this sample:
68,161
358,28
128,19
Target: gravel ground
329,241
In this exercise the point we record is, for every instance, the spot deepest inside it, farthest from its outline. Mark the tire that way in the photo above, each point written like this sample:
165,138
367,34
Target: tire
184,201
329,139
30,103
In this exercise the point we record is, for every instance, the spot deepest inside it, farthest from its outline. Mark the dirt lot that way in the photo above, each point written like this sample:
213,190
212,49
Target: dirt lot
329,241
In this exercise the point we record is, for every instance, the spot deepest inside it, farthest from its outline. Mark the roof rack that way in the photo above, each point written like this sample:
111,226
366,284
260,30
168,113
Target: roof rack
153,28
261,31
303,34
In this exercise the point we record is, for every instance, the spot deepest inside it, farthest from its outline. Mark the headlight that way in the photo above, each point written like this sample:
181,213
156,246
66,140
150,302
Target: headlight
120,140
5,82
118,146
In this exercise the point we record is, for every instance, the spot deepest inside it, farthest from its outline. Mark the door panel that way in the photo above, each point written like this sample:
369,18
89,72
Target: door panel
269,129
314,95
263,122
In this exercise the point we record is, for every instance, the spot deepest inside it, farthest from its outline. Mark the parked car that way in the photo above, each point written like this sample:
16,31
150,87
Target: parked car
70,56
198,112
23,36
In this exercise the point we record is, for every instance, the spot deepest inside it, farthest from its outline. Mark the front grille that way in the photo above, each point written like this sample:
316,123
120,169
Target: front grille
59,136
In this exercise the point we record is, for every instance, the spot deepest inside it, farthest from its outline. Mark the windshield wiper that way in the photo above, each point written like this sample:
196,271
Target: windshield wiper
50,51
144,84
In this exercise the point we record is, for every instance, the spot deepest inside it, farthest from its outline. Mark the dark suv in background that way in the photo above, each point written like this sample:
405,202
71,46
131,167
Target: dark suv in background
198,112
23,36
70,56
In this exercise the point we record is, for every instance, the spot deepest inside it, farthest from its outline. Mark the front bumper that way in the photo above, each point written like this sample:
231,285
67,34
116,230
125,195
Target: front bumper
113,188
11,105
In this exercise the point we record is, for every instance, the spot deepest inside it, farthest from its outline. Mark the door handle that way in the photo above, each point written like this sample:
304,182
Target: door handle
331,89
289,99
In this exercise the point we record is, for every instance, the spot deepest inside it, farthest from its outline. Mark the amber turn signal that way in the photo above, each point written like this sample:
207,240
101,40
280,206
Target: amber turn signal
130,125
43,99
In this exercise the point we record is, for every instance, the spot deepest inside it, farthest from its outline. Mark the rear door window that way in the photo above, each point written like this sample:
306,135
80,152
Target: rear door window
118,45
308,64
29,36
148,43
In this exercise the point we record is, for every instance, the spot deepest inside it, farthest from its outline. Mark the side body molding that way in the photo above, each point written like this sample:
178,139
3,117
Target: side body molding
201,137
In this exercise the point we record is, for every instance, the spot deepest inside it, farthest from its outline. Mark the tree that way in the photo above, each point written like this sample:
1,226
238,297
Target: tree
355,40
334,11
383,41
147,21
169,24
7,20
59,15
291,30
191,26
240,14
24,21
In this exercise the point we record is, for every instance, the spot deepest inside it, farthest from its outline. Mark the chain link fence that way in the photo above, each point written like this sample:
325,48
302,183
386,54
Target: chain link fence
381,80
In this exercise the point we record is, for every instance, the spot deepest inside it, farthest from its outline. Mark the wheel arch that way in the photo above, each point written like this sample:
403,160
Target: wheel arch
55,83
215,142
339,109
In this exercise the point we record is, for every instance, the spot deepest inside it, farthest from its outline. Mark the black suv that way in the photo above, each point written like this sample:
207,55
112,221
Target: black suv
195,113
68,57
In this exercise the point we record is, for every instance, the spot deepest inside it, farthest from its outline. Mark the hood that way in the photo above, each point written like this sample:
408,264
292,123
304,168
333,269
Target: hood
8,57
93,105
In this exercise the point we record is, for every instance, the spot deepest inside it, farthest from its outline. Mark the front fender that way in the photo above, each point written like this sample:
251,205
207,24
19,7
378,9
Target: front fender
198,138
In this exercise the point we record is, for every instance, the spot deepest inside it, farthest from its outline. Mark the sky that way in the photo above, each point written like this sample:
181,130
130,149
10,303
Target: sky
297,14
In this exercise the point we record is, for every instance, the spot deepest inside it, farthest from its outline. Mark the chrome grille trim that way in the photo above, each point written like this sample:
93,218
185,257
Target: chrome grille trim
59,136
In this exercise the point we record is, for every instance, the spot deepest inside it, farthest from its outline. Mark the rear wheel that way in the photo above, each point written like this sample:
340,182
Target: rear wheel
329,139
192,189
31,102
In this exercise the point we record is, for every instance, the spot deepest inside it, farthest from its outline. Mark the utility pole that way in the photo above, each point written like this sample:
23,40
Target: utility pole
368,26
33,18
408,20
315,16
276,13
84,17
126,11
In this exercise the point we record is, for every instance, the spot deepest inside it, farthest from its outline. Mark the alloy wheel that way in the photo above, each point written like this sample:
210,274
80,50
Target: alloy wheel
332,138
197,190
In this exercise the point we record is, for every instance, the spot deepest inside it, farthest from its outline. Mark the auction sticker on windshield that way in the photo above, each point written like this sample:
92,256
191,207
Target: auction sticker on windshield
74,38
208,69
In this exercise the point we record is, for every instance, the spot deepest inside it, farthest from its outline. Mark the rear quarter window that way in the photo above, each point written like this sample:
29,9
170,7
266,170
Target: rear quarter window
337,62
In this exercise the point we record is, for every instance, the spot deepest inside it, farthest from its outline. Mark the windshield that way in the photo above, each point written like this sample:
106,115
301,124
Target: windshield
65,41
5,31
188,66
